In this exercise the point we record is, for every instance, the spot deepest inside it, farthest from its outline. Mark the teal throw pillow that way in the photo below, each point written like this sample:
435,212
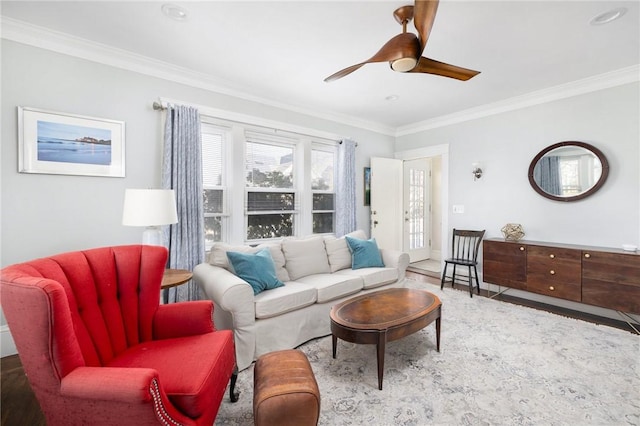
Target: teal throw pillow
257,269
364,253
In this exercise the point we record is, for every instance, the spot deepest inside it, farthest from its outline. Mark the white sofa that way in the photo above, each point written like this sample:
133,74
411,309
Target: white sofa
317,274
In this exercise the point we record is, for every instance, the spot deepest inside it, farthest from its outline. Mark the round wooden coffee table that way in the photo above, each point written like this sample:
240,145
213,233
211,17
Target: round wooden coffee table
384,316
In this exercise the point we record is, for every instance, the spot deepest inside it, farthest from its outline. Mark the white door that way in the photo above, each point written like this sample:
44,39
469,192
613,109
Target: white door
386,202
416,218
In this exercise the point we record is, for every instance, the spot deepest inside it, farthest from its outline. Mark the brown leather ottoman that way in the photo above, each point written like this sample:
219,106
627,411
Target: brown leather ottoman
285,391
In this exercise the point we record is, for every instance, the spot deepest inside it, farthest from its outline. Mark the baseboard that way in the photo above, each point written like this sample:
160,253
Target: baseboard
7,346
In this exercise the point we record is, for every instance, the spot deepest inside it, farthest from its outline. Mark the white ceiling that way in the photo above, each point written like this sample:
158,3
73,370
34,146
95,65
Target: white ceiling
282,51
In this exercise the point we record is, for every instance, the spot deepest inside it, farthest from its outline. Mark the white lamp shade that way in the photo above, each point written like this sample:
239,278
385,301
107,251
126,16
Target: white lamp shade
149,207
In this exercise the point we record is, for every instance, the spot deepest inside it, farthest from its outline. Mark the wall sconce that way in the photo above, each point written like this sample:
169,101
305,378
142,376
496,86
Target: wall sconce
476,171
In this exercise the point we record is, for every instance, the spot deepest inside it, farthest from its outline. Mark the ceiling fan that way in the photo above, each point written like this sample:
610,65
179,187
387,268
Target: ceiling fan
404,51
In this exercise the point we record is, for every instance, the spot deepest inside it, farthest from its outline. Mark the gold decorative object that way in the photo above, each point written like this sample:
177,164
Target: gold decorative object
512,231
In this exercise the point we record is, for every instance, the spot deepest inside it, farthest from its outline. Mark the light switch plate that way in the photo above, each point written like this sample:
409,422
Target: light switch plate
458,208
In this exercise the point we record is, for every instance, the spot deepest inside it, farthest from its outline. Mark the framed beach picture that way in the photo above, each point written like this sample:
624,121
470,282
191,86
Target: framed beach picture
367,186
68,144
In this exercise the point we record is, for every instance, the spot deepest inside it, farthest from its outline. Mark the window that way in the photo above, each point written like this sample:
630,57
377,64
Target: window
322,167
270,194
213,179
262,183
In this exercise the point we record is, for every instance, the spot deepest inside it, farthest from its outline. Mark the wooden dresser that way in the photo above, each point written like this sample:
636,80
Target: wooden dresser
597,276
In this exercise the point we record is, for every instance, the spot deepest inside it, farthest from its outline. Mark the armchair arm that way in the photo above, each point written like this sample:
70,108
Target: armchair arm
395,259
121,392
183,319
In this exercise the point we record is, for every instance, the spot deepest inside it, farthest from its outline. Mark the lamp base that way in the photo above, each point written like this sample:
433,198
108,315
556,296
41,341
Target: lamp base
152,236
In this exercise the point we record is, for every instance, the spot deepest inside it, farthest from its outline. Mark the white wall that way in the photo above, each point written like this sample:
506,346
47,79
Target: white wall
506,143
46,214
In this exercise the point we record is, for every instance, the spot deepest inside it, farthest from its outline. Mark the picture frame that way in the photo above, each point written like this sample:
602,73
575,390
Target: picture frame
367,186
68,144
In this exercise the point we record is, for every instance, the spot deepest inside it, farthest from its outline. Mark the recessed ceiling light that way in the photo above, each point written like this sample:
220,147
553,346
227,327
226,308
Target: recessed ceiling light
174,12
610,16
392,98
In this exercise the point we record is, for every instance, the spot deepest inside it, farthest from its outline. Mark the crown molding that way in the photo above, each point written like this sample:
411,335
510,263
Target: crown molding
44,38
591,84
33,35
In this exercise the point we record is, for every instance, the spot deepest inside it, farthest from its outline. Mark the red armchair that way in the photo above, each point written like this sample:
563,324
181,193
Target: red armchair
99,349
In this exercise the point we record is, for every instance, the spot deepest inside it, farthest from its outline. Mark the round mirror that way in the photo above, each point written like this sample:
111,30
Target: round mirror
568,171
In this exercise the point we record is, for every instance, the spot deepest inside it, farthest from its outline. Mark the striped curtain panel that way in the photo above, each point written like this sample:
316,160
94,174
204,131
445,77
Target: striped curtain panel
182,172
346,188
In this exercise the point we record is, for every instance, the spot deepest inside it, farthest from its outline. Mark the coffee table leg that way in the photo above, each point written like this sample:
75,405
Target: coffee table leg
382,341
437,334
334,342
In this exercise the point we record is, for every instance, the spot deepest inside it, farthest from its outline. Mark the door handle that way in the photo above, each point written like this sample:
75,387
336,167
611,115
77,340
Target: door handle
375,222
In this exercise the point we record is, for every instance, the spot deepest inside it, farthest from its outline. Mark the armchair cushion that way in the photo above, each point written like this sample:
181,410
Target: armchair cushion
185,367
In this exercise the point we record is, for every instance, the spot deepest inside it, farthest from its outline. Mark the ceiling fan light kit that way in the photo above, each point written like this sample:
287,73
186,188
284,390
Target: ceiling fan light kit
404,51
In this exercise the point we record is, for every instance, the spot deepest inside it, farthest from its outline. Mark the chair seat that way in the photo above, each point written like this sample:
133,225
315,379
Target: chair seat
464,262
191,387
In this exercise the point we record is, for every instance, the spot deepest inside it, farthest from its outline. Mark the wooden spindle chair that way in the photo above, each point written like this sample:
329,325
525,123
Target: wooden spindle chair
464,252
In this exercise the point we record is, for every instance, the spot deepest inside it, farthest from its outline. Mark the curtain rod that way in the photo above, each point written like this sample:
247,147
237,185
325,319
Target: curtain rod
160,106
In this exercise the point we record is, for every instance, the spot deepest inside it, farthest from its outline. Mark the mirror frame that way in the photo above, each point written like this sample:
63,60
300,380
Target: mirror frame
594,188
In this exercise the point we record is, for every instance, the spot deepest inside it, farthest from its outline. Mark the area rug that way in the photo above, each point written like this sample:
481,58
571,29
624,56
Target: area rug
499,364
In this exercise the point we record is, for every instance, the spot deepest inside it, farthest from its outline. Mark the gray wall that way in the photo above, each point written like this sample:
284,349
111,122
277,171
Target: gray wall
47,214
506,143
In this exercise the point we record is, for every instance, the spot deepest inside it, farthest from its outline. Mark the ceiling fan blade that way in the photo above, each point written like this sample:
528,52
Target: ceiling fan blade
424,13
403,45
430,66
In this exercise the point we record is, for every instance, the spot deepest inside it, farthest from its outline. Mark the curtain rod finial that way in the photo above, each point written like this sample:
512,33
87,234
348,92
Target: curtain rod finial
157,106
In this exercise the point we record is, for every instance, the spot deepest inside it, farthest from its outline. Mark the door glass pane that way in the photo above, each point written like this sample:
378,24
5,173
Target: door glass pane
417,182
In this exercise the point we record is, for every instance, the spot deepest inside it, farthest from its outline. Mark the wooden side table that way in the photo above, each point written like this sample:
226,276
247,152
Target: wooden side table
173,278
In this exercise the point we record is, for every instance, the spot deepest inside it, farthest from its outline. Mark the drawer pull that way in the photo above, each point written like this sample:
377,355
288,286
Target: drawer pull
587,255
551,288
521,248
552,256
552,272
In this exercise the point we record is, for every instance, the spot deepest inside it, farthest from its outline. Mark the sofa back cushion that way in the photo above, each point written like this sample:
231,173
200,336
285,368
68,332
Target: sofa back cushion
338,251
305,257
218,256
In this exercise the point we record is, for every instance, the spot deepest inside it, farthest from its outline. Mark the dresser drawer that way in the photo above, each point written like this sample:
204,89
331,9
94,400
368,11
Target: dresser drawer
555,272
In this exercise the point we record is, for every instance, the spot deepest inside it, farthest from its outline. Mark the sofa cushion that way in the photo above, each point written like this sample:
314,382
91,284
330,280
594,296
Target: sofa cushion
291,296
333,286
255,268
338,251
305,257
218,256
365,253
372,277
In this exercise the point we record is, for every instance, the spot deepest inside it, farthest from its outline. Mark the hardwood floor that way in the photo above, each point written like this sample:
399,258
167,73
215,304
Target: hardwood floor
20,407
19,404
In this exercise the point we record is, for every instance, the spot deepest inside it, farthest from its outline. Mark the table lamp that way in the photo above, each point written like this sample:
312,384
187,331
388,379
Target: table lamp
151,208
